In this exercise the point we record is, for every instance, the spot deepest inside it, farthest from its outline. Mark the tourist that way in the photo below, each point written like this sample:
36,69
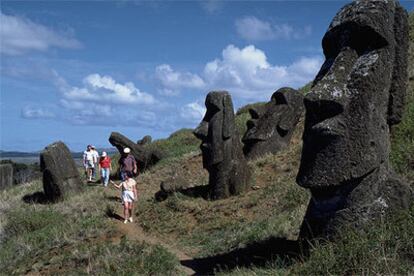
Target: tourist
105,168
129,195
95,161
88,163
127,164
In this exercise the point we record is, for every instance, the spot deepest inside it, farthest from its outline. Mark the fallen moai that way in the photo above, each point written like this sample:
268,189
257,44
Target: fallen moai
272,124
222,152
356,97
144,157
60,174
147,139
6,176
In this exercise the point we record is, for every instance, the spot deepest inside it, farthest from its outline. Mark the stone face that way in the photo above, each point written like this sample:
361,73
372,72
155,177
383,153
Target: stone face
357,95
147,139
60,174
143,156
221,148
272,124
6,176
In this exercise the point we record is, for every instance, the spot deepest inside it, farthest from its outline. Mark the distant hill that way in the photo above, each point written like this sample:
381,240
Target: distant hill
19,154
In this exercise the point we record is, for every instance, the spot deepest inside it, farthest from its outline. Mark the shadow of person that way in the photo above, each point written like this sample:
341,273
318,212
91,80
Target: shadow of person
37,197
111,214
258,254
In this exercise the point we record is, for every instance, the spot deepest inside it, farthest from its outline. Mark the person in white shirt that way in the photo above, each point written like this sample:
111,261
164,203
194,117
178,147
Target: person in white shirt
88,162
95,161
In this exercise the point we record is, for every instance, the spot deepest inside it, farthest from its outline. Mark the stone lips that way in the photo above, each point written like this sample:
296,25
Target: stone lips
221,148
6,176
60,174
355,98
272,125
143,156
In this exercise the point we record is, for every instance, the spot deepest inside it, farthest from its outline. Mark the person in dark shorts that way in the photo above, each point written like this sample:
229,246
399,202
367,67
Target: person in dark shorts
127,164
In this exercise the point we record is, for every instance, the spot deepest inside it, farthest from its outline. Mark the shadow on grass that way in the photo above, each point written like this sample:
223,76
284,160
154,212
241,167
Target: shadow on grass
257,254
195,192
111,214
37,197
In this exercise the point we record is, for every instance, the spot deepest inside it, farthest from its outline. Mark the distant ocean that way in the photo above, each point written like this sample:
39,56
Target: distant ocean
33,159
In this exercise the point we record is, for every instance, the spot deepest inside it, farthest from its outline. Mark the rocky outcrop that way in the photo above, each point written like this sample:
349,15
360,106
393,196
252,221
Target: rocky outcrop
272,124
356,97
147,139
60,174
6,176
221,148
144,157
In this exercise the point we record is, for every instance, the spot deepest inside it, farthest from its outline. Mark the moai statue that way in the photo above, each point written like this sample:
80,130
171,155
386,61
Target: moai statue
222,152
60,174
272,124
356,97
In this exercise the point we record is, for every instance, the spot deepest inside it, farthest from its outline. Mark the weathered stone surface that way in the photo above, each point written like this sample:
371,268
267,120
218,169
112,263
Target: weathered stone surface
60,174
221,147
147,139
144,157
357,95
6,176
272,124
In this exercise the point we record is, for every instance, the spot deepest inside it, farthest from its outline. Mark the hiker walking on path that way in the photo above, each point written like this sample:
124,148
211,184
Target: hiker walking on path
95,161
127,164
129,195
105,168
88,162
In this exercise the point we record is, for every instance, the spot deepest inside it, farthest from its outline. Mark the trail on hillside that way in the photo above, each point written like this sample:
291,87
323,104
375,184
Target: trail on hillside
135,232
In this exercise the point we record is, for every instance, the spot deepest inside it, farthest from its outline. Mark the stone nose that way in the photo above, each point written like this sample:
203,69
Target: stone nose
318,109
201,131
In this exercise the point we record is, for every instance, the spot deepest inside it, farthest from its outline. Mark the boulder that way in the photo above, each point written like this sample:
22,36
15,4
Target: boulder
147,139
60,174
144,157
221,148
272,124
6,176
356,97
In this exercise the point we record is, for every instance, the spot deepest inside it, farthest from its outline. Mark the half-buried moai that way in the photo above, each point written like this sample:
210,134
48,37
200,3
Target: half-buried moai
144,157
356,97
272,124
222,152
6,176
60,174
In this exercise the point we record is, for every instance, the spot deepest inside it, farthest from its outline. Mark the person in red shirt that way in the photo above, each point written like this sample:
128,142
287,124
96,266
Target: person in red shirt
105,168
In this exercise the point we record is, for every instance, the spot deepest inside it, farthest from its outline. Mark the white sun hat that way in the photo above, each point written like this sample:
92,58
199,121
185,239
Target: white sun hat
127,150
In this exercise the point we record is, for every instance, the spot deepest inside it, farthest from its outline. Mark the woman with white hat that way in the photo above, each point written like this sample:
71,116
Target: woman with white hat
105,168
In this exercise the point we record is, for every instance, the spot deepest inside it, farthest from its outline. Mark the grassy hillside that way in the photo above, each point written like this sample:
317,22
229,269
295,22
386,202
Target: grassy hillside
80,235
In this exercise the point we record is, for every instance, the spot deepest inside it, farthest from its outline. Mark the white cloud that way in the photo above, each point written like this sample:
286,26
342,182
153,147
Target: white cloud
193,112
254,29
30,112
173,81
104,89
20,35
246,73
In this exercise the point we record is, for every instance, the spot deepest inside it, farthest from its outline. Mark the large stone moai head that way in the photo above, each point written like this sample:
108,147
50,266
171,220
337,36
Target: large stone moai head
356,96
272,124
60,174
221,147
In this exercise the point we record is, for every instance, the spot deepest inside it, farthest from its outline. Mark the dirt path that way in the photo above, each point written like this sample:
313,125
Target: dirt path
135,232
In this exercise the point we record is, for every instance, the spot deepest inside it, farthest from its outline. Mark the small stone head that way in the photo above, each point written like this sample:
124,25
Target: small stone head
356,96
271,125
216,128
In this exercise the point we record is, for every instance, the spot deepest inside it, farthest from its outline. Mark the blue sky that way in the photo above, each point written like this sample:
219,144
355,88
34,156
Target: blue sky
77,70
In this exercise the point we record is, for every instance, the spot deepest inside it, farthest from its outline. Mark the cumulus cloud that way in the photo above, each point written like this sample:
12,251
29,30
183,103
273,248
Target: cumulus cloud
20,35
173,81
30,112
193,112
212,6
247,73
254,29
104,89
